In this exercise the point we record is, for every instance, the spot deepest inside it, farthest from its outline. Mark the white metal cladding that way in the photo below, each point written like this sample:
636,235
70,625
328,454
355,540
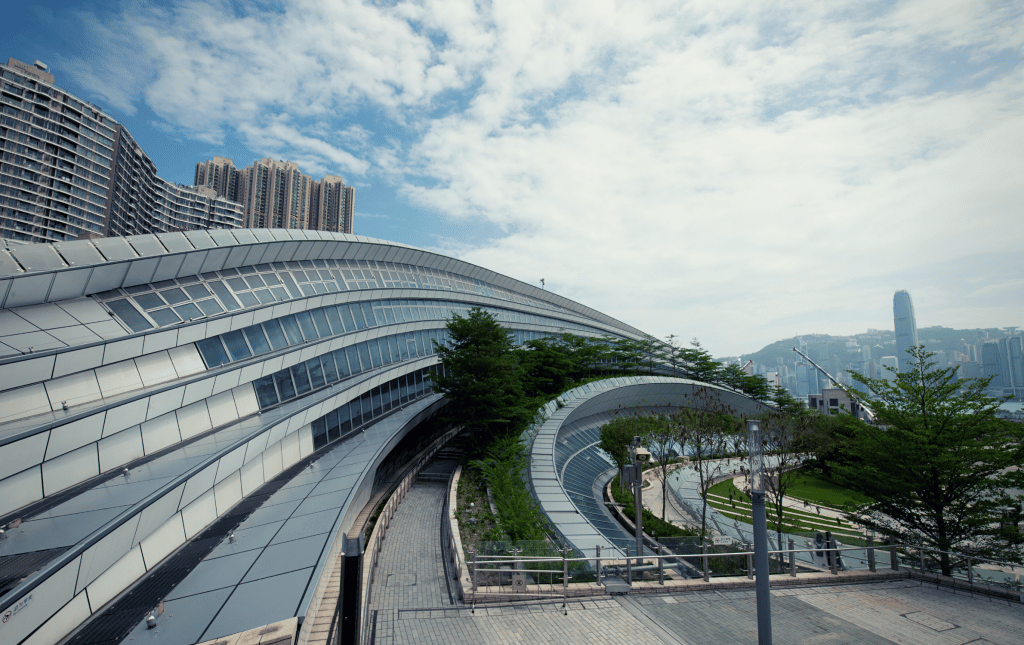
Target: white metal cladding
134,395
589,400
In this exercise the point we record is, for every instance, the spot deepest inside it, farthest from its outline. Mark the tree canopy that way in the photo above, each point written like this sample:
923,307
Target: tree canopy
938,462
481,375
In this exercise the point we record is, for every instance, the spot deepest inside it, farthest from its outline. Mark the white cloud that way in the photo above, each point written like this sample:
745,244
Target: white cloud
704,168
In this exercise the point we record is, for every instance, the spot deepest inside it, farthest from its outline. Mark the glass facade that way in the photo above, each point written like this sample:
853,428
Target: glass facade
167,386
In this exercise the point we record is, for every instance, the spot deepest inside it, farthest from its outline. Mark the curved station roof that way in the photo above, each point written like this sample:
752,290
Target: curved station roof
160,393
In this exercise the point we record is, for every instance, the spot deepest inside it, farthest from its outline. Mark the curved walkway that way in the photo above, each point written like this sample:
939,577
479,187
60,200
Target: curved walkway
412,606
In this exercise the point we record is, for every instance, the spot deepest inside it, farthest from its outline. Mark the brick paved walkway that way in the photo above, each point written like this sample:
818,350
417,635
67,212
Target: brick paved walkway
411,604
410,567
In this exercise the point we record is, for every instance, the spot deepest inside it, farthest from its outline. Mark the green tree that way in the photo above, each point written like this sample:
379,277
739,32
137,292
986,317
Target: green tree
546,367
698,364
481,377
660,435
710,428
938,463
616,435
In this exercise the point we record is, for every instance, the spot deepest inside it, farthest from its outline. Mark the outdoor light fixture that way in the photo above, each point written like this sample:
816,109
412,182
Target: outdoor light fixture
764,609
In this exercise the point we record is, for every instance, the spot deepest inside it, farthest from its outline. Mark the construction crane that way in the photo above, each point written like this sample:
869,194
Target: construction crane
835,382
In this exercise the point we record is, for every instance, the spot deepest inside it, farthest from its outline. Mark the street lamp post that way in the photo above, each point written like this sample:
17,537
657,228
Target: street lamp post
764,608
640,457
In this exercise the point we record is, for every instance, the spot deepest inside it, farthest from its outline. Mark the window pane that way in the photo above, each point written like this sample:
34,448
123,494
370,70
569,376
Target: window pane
224,294
188,311
291,330
293,289
364,356
164,317
316,373
342,362
236,345
335,320
301,378
306,325
197,291
344,419
346,317
385,351
210,306
353,360
129,314
174,296
393,346
212,351
330,369
265,392
264,296
374,348
285,387
257,341
332,426
274,334
320,320
389,314
248,300
319,433
368,314
357,315
149,300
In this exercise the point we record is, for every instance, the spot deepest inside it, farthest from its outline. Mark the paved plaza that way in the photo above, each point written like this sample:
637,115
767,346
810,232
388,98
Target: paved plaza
411,605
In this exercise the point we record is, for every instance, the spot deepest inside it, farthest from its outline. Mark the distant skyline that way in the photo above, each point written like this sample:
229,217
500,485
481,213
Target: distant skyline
703,169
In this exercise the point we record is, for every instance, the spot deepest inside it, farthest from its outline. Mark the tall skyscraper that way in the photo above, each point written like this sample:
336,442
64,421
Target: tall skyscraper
906,328
276,194
69,170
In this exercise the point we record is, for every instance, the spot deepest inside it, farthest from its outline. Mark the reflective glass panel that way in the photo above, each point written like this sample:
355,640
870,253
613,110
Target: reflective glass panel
342,362
322,326
188,311
224,294
374,349
257,341
264,296
364,356
212,351
291,330
129,314
285,386
393,346
149,300
368,314
319,433
274,334
332,425
306,325
248,300
197,291
353,360
236,345
210,306
357,315
346,317
164,317
316,373
301,378
330,369
265,391
174,296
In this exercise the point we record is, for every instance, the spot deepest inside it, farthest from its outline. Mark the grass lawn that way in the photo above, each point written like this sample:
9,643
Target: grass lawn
809,485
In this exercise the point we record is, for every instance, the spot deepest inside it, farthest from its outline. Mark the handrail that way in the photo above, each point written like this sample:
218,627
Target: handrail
375,542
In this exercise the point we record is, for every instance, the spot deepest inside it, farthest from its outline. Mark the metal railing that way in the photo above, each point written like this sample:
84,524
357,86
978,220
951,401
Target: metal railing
375,542
520,576
978,574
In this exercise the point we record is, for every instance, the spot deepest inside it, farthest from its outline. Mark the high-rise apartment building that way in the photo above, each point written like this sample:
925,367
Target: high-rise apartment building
906,328
276,194
69,170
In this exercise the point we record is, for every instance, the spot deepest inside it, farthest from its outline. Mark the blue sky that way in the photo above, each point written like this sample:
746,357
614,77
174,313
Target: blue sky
703,169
